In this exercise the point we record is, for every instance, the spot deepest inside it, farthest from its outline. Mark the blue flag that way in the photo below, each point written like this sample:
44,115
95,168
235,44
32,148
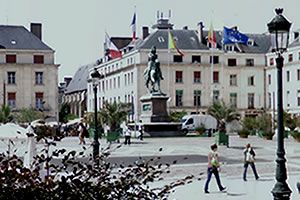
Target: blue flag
233,36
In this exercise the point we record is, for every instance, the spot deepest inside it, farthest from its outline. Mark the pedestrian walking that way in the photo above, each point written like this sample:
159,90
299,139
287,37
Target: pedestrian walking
141,127
83,132
127,134
249,159
213,168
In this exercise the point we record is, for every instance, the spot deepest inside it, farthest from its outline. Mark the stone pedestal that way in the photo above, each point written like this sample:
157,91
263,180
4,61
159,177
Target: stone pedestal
154,108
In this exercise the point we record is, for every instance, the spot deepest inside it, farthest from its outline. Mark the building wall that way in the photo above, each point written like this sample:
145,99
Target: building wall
291,87
25,87
126,67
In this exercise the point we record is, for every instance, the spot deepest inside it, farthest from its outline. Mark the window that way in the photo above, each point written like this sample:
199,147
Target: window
197,77
288,76
190,121
114,82
11,99
178,78
271,61
39,96
39,78
298,74
131,77
269,79
216,77
290,57
229,47
110,84
249,62
196,59
103,86
125,77
250,100
177,58
287,98
197,98
299,56
11,58
231,62
233,80
216,94
215,59
11,77
251,81
118,81
269,100
38,59
178,98
233,99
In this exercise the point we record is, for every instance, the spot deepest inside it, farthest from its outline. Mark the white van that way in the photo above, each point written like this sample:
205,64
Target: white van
191,122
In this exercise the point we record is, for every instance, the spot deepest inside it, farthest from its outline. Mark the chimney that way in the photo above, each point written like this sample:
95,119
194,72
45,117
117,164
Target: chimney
200,32
145,31
36,29
296,35
67,80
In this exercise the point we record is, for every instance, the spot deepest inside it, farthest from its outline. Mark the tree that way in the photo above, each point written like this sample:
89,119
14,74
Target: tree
177,116
28,115
114,114
5,114
223,113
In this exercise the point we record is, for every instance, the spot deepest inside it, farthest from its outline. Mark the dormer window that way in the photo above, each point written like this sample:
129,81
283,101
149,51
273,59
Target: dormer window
229,47
250,42
161,39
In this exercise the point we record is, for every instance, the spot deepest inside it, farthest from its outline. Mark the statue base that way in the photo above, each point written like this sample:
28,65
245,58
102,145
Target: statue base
154,108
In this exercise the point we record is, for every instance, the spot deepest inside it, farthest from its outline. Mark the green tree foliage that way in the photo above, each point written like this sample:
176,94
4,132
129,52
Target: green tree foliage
265,125
114,114
177,115
64,112
5,114
28,115
289,121
221,111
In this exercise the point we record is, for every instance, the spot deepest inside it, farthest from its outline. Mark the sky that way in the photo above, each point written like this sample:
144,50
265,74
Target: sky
75,29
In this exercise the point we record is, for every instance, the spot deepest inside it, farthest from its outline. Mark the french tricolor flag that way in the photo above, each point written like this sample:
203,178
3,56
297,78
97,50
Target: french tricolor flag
133,26
111,50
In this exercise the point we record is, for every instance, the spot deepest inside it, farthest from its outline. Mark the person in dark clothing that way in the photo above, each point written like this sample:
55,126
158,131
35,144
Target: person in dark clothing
249,159
213,168
83,132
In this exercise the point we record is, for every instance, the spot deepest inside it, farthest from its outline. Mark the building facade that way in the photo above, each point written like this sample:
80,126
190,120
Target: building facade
28,74
234,73
290,78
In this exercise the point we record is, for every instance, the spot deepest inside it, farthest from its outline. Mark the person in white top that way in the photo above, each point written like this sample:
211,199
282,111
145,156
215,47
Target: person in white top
127,134
249,159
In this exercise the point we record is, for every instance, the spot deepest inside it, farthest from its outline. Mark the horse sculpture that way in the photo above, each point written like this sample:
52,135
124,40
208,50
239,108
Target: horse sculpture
152,73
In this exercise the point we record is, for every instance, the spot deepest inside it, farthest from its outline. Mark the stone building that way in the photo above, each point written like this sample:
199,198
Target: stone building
28,74
192,82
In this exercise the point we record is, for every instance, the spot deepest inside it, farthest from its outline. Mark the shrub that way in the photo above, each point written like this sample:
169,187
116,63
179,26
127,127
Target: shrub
244,133
74,179
295,135
200,129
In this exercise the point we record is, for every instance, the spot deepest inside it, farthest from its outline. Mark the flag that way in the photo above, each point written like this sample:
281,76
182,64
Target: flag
233,36
172,44
212,37
133,26
111,50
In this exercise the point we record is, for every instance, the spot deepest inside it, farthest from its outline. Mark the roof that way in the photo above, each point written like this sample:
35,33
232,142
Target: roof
185,39
121,42
188,39
79,82
18,37
295,43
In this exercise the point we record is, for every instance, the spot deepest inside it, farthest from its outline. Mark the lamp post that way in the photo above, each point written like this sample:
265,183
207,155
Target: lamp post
96,76
279,28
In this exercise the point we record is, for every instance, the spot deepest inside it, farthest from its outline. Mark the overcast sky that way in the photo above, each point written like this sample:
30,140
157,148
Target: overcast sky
75,28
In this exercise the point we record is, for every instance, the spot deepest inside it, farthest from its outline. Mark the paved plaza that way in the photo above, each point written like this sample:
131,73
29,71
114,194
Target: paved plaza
191,152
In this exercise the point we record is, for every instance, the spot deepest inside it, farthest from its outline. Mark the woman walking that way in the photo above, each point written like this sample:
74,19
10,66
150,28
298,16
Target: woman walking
249,159
213,168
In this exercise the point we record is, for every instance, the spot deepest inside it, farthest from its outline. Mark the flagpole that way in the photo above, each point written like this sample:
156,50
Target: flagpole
212,72
168,109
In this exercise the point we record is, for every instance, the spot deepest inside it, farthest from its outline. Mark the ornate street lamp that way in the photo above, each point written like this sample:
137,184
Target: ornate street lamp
279,28
96,76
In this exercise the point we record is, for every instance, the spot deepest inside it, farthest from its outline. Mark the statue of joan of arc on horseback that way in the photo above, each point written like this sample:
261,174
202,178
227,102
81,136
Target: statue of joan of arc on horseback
152,73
